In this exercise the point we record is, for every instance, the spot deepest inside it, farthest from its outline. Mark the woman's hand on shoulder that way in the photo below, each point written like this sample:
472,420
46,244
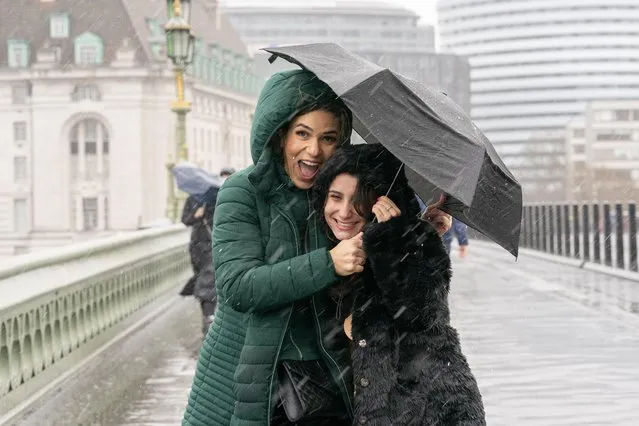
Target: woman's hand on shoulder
385,209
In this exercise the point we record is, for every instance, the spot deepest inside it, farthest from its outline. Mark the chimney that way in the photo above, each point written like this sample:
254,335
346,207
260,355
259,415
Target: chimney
213,7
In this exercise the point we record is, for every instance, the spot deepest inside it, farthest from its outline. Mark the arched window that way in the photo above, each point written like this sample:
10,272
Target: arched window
89,149
89,164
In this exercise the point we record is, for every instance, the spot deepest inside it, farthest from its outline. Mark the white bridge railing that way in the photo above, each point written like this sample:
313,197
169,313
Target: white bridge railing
51,303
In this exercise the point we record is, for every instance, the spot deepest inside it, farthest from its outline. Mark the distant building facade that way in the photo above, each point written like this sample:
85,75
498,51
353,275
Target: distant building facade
85,96
602,151
535,66
385,34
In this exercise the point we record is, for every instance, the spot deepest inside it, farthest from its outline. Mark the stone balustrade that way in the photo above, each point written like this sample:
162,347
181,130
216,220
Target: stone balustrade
53,302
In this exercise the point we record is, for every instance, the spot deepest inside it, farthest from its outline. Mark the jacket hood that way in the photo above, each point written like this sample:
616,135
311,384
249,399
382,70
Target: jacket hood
374,166
284,95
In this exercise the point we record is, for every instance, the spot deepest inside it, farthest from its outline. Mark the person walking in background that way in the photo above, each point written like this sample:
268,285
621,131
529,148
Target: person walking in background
460,230
198,214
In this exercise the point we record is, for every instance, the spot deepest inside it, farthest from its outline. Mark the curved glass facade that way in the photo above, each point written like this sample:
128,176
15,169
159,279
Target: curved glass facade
535,64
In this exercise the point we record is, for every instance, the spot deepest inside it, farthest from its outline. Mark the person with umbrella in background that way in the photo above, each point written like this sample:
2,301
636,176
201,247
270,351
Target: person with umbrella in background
198,214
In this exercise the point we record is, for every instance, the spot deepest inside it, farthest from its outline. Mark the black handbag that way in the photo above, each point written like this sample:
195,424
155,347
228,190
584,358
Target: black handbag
307,391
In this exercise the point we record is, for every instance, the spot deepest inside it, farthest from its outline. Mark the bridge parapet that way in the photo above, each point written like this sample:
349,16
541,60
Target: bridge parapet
53,302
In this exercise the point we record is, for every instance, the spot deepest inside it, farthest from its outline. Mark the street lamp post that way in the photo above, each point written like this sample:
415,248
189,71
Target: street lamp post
180,45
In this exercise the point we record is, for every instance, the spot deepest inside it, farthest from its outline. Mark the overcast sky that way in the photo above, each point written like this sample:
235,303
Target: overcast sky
425,8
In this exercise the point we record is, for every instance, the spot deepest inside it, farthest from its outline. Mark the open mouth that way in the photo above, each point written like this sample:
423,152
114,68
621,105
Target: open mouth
308,169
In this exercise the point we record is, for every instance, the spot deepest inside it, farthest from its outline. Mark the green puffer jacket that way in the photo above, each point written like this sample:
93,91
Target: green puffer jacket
262,267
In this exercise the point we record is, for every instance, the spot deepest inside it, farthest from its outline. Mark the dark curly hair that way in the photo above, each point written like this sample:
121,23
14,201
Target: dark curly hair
378,173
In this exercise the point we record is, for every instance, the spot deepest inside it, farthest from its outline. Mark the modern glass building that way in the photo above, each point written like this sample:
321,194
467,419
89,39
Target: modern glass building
386,34
535,64
359,26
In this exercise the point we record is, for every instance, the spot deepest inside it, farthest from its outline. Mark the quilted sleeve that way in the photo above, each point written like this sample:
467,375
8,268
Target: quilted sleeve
244,279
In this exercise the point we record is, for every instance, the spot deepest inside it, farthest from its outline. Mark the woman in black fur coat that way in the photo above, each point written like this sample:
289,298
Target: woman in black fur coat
408,367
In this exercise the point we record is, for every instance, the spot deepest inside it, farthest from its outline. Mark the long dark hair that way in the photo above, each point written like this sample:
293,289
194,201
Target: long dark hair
378,173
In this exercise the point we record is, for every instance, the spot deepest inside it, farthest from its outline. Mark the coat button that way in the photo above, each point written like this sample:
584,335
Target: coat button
362,420
364,382
362,343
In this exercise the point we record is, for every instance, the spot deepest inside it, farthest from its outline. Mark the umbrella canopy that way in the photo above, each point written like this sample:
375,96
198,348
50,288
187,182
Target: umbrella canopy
194,180
442,149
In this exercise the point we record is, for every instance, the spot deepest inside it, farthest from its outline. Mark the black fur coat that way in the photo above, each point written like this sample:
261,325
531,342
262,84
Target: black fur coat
407,363
408,366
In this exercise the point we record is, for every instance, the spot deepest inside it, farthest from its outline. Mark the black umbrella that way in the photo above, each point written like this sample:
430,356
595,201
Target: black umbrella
442,149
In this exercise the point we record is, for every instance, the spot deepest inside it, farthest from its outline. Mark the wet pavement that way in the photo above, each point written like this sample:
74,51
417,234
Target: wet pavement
551,345
142,380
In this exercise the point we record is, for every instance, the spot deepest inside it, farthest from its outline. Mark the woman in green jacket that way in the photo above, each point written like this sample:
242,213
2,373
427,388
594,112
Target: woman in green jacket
272,266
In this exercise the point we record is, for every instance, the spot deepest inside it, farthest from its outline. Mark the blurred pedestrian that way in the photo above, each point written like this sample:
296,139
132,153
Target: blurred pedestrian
198,214
458,229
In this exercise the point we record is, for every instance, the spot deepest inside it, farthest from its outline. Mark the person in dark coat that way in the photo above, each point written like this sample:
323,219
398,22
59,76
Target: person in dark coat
407,364
198,214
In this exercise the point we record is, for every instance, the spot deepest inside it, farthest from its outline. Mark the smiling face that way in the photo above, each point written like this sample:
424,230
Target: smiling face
310,141
339,211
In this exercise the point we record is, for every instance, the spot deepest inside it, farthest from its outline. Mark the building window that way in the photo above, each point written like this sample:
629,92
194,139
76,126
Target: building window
622,115
106,212
89,49
59,25
87,55
86,92
89,147
580,149
614,136
20,215
90,137
604,116
89,214
20,172
19,94
18,53
579,133
19,131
